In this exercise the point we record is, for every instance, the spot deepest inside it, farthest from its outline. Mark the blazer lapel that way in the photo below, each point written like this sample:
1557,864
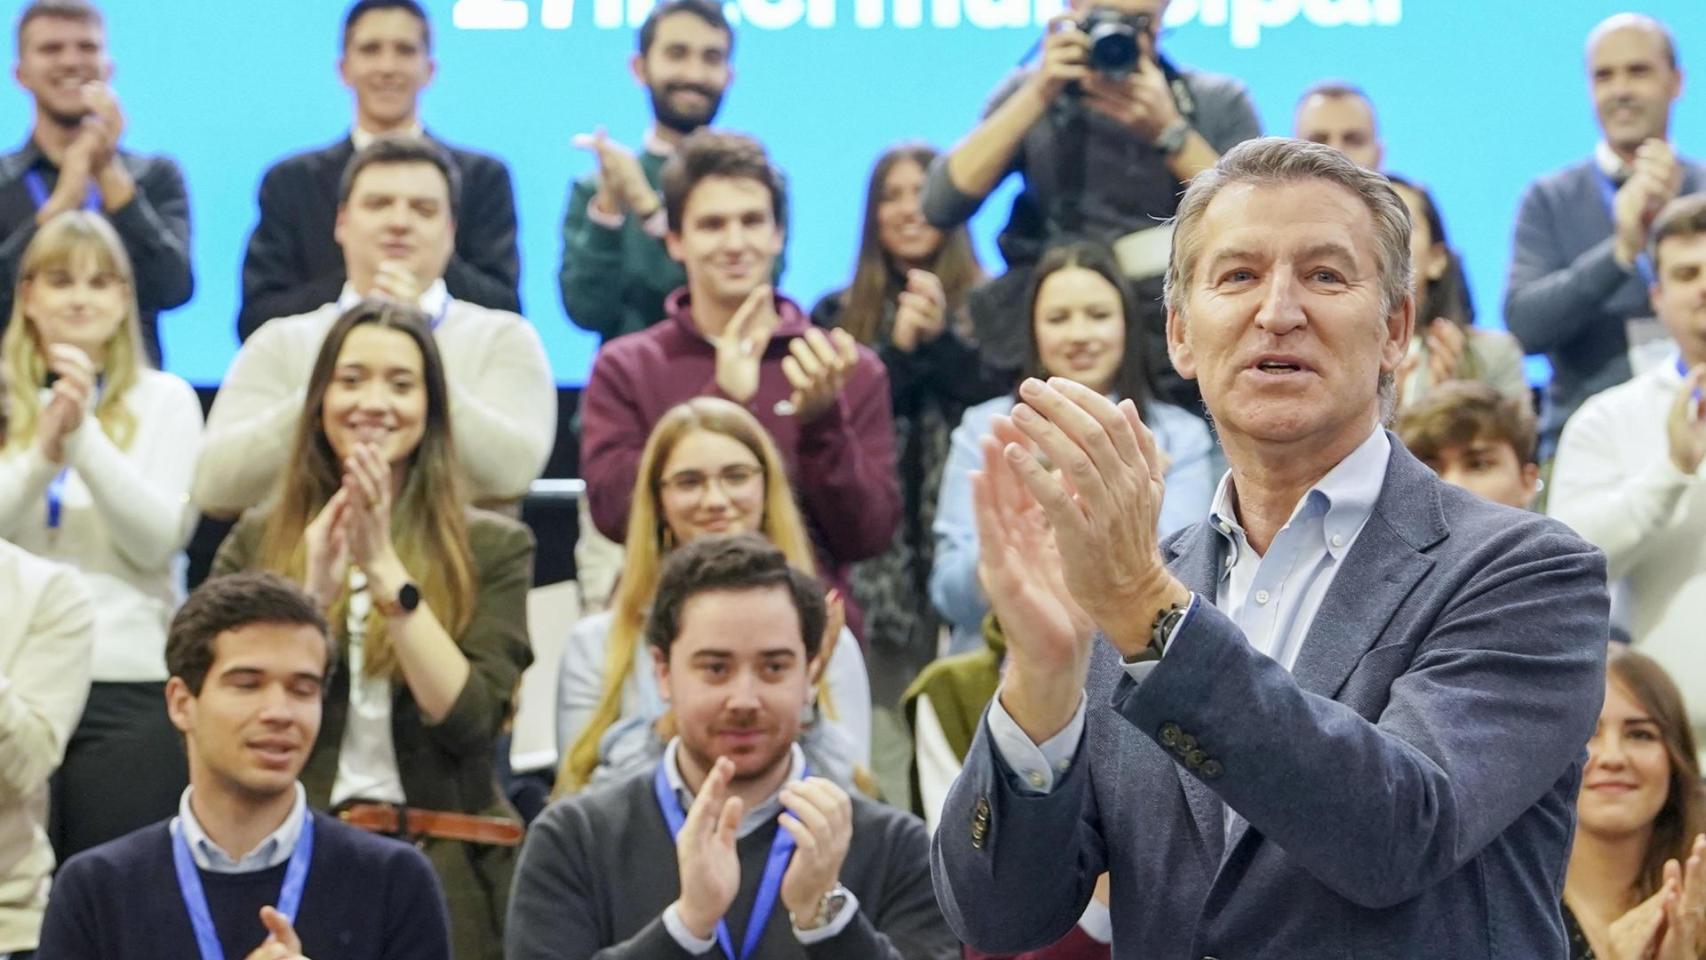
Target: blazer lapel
1194,557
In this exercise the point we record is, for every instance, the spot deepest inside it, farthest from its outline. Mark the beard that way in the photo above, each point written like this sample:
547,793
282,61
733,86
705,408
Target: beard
684,121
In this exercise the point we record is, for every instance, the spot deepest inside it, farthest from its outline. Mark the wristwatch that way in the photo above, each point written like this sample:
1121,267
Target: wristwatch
1159,632
404,603
828,908
1171,139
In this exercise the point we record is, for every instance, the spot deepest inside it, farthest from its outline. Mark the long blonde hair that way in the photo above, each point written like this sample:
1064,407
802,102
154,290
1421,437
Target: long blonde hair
649,539
428,525
61,243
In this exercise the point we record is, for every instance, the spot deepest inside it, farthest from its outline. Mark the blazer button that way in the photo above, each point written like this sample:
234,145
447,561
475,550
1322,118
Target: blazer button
1187,742
1211,769
981,810
1194,759
1170,734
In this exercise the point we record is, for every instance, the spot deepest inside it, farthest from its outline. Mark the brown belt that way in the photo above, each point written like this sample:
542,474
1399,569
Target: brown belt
412,823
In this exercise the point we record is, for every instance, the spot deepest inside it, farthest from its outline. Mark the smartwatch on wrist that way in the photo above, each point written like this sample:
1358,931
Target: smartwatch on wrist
404,603
828,907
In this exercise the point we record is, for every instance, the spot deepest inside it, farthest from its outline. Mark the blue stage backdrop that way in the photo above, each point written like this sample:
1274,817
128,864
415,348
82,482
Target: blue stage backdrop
1476,98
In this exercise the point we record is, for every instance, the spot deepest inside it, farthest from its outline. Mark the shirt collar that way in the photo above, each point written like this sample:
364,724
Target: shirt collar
760,814
1609,163
1345,497
360,138
656,145
434,301
269,853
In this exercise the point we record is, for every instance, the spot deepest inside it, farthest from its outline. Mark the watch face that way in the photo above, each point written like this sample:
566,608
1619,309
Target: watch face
409,597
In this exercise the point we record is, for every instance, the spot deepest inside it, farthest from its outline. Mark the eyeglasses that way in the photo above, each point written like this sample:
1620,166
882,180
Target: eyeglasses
734,480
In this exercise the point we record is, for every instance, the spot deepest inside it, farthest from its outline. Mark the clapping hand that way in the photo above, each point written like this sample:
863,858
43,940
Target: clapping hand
1684,906
817,367
281,942
326,545
819,816
1655,181
622,186
740,347
705,853
1686,425
921,311
69,399
395,280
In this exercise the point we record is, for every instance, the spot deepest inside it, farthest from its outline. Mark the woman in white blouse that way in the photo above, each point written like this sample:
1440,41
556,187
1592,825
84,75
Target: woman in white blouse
95,474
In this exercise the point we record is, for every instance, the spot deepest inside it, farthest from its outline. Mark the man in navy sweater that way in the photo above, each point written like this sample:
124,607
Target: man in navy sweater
245,869
1578,278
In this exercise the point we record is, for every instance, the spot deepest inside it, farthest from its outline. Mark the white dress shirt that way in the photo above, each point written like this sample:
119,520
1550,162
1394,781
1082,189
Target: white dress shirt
275,849
367,755
1273,597
758,816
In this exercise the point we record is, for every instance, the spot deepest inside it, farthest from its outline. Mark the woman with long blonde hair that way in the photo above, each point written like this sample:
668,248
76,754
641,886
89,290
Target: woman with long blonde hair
428,597
708,468
94,474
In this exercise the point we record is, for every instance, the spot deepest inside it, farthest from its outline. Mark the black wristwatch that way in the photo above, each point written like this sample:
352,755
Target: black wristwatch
1159,632
407,599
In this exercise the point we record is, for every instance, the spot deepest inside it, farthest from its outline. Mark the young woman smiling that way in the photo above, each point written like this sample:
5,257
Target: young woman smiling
429,599
94,474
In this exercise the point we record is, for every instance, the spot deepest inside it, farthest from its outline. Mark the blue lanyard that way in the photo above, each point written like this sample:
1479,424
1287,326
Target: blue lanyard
56,498
781,850
1608,193
443,311
189,884
38,192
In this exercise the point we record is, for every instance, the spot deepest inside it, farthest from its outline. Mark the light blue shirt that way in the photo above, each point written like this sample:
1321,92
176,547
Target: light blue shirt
1273,597
269,853
953,574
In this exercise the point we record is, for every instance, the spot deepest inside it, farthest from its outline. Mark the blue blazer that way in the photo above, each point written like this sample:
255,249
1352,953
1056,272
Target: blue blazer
1409,787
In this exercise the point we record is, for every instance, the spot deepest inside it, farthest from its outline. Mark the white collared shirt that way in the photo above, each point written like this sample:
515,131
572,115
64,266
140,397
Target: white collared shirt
758,816
434,300
1273,597
275,849
367,755
360,138
1609,163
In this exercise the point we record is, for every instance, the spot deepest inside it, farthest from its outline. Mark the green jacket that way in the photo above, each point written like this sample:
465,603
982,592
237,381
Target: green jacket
614,281
448,765
959,688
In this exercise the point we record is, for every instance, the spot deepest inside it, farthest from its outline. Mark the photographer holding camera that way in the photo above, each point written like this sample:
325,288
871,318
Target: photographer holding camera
1105,132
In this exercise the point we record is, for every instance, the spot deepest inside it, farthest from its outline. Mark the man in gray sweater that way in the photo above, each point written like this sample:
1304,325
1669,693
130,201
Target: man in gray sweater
1578,278
730,841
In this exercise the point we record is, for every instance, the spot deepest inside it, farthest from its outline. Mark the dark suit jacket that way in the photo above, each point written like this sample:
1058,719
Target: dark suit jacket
294,264
1409,786
154,225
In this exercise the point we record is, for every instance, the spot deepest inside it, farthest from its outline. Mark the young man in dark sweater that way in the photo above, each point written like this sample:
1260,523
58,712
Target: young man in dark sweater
245,869
730,842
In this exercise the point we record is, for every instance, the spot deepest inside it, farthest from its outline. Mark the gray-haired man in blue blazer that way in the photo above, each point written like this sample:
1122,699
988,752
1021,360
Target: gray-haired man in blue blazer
1342,717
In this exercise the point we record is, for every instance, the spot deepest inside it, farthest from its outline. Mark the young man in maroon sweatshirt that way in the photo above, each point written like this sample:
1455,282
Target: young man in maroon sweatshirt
823,397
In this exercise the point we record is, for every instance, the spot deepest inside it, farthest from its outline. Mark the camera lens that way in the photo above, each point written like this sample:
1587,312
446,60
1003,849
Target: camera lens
1113,47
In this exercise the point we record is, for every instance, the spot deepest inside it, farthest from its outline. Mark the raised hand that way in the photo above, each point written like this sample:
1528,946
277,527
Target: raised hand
1066,57
367,480
1446,343
69,399
1686,424
281,942
819,816
921,311
1104,505
817,367
705,853
1684,892
326,546
1142,101
740,348
394,280
1021,572
622,186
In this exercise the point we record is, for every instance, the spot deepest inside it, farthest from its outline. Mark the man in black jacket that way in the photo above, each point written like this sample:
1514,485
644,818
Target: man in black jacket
293,264
72,161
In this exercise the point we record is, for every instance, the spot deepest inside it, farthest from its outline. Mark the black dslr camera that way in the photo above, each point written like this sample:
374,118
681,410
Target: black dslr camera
1114,43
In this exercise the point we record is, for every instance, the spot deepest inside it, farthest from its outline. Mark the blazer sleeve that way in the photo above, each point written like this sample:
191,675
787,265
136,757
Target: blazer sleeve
276,278
486,268
495,641
237,551
155,227
1492,710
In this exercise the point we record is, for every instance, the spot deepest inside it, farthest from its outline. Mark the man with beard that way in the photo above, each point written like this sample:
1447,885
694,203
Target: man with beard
730,839
293,264
616,272
72,161
1579,276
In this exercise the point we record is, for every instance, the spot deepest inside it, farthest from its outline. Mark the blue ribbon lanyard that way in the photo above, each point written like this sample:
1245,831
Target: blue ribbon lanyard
775,865
1608,193
38,192
189,884
56,498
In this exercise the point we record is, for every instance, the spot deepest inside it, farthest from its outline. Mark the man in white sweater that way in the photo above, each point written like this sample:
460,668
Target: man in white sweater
1628,475
397,226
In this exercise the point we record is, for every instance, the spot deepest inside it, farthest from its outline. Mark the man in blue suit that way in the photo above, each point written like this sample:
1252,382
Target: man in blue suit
1345,715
